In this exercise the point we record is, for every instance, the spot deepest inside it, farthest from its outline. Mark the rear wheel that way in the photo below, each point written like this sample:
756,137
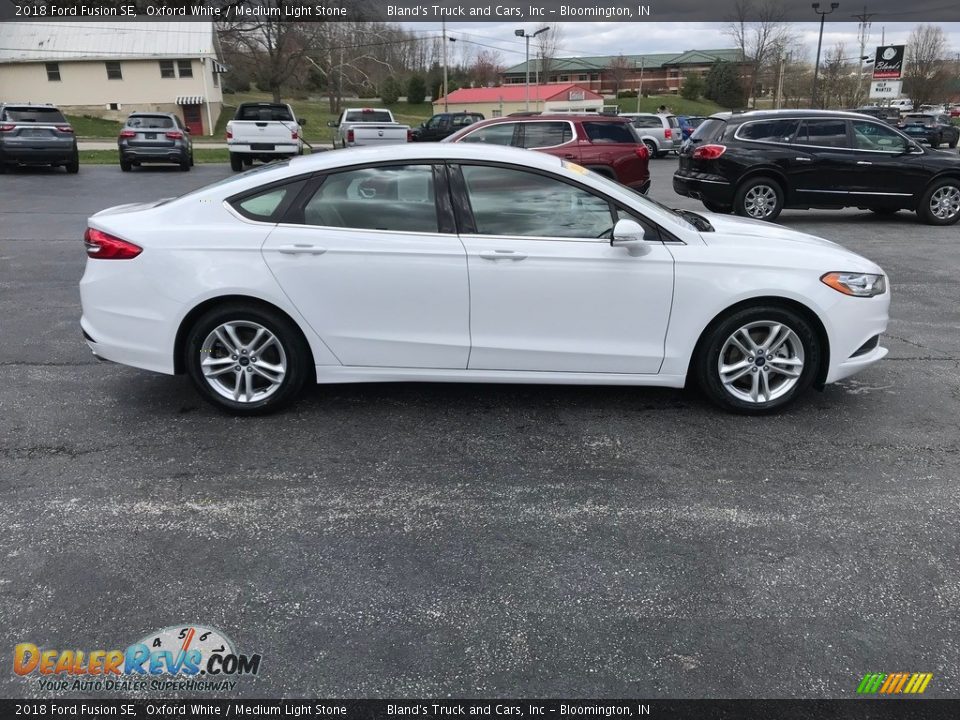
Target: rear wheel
245,359
760,198
73,166
651,148
758,359
236,162
940,204
185,164
125,165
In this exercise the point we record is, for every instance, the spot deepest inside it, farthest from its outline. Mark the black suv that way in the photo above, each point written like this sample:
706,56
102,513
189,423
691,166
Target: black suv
930,128
36,135
757,163
443,124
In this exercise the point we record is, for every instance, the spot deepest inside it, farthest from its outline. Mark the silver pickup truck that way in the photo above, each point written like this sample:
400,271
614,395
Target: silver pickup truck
368,126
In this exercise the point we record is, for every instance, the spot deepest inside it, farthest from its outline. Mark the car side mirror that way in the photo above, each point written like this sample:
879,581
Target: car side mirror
629,234
332,123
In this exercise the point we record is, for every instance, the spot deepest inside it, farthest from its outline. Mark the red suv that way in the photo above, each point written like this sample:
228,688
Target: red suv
604,144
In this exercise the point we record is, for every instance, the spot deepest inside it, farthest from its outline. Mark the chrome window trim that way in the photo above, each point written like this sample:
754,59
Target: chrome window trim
573,131
736,136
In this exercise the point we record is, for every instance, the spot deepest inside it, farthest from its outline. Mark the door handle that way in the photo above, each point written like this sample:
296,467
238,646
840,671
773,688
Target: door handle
301,249
804,159
569,155
864,162
501,255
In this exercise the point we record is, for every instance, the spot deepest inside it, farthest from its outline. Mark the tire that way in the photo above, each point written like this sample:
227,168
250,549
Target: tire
651,148
797,346
185,165
940,204
717,207
236,162
125,165
191,159
953,143
760,198
209,341
73,167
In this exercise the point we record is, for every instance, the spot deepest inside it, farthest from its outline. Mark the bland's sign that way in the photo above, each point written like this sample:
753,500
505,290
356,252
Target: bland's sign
889,89
888,62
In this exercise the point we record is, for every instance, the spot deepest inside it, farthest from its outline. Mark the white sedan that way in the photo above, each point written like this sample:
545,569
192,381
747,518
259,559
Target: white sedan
460,263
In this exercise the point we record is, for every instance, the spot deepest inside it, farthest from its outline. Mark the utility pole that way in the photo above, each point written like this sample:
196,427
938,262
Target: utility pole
864,32
526,36
640,89
443,43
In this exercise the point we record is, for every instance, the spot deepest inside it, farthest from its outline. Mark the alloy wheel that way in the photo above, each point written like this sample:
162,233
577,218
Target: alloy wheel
243,361
761,361
945,202
760,201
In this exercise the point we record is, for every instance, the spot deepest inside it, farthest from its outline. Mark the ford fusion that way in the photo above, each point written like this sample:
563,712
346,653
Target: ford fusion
460,263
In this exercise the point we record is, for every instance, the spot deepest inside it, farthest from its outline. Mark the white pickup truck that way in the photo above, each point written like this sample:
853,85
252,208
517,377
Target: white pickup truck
263,131
368,126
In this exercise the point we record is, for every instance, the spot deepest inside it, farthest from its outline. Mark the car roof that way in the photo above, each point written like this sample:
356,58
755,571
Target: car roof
764,114
552,116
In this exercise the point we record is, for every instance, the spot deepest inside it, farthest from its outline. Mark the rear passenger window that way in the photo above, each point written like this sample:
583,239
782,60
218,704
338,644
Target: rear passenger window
546,134
265,206
824,133
501,134
600,132
769,131
394,198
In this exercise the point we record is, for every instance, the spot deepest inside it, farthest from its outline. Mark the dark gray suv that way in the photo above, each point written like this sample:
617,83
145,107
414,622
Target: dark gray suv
154,138
36,135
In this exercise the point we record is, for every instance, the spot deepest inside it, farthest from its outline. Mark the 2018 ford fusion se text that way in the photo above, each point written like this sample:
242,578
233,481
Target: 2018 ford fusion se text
453,262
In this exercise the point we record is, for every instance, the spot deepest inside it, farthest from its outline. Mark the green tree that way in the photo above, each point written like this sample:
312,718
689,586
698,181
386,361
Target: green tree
390,90
693,87
416,89
723,86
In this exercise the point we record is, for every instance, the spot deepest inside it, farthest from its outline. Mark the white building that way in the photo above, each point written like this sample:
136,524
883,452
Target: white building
110,69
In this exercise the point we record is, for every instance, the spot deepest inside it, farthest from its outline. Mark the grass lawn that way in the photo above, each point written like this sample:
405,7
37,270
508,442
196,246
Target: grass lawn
676,104
112,157
85,126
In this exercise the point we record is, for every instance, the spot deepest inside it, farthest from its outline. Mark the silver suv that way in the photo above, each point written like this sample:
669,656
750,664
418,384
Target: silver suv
154,138
660,133
36,135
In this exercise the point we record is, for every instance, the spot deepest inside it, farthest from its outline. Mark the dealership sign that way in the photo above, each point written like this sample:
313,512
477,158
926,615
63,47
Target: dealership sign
889,89
888,62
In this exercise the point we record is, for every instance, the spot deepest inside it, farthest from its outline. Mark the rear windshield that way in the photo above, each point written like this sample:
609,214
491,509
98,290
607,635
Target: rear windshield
919,118
608,132
377,116
264,113
709,130
40,115
152,122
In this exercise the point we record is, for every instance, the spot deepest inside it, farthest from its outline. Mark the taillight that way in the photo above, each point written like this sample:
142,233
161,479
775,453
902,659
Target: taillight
107,247
65,129
643,152
668,133
174,135
294,135
127,134
709,152
7,128
229,134
350,136
409,135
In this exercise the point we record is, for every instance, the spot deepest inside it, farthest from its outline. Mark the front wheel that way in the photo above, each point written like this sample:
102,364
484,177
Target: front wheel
236,162
758,359
760,198
245,359
940,204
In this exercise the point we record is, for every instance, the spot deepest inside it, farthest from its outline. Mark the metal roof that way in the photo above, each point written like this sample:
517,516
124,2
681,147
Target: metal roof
47,41
652,61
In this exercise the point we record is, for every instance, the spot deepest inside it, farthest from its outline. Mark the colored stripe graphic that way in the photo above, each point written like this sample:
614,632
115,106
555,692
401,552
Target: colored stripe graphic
894,683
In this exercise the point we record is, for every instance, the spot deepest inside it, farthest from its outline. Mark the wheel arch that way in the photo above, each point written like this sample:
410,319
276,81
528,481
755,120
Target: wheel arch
805,311
179,366
770,171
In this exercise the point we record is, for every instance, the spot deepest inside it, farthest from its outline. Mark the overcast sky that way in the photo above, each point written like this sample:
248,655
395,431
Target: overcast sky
586,38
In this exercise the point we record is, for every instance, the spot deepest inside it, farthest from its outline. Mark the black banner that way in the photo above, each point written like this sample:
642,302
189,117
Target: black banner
551,11
854,709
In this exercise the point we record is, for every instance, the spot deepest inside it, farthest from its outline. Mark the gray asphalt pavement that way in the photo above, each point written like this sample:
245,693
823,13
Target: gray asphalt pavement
408,540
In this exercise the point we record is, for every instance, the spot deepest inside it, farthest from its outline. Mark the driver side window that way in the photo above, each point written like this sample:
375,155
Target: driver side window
871,136
518,203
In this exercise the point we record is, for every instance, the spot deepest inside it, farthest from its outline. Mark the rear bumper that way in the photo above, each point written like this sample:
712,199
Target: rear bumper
160,154
37,156
278,149
703,187
641,187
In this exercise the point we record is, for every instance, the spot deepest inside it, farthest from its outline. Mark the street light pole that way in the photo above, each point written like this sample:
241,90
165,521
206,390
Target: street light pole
525,36
444,45
816,68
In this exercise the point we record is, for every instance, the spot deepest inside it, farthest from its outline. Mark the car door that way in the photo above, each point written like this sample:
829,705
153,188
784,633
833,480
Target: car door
548,291
370,257
824,155
887,166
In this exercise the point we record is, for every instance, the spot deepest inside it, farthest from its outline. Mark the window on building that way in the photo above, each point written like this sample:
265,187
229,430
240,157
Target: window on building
166,69
113,70
216,79
184,68
564,78
53,72
581,78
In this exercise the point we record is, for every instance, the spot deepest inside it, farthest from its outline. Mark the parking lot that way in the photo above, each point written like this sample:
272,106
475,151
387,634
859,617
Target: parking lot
477,540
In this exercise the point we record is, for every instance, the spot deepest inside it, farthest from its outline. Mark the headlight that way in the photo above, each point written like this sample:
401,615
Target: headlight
856,284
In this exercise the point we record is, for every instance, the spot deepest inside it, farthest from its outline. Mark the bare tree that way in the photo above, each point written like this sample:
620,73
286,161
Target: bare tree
547,48
618,69
926,72
486,67
759,28
838,78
